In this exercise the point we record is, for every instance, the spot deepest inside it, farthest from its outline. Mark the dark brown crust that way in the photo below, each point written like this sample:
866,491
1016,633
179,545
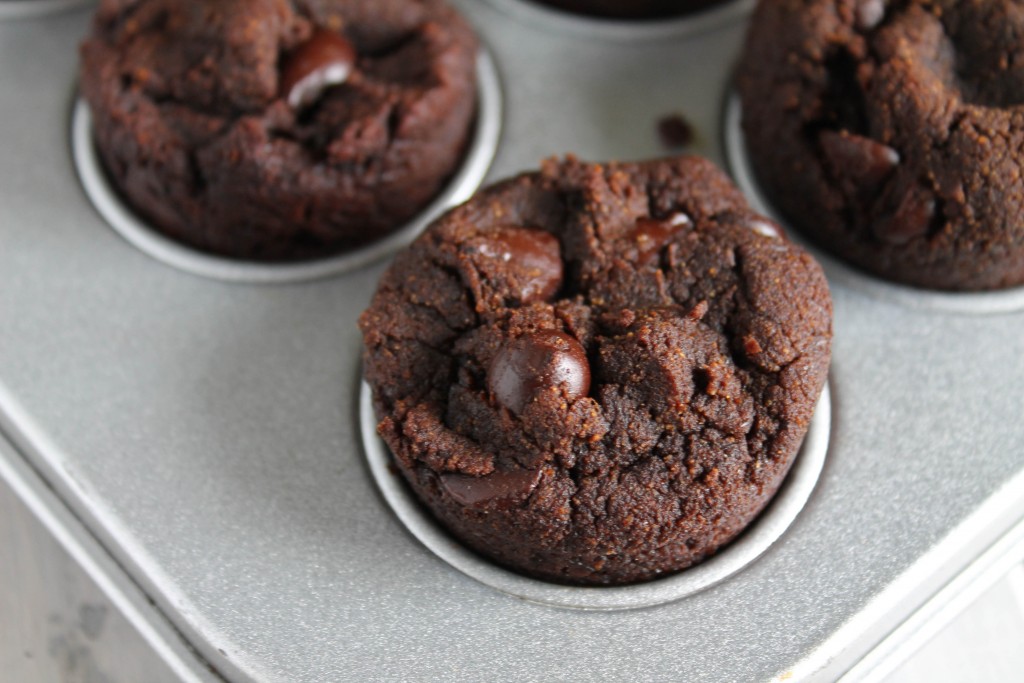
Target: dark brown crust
940,84
194,133
637,9
707,358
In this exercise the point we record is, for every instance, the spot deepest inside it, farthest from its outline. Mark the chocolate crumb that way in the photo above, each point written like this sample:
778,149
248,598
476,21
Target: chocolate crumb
675,131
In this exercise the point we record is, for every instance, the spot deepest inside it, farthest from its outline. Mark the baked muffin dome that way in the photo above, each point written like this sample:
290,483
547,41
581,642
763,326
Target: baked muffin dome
598,374
276,129
890,133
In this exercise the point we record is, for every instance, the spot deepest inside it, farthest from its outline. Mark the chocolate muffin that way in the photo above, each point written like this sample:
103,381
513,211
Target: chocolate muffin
279,129
598,374
640,9
891,133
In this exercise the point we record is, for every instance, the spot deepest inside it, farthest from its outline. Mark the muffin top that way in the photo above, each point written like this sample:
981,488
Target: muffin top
597,374
276,128
891,133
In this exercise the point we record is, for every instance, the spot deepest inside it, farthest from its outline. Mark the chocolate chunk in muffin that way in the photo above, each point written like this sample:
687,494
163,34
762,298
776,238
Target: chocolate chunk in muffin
598,374
891,133
279,130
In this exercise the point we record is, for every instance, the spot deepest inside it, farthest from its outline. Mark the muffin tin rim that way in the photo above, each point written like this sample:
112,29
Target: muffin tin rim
119,216
992,302
16,10
624,30
758,536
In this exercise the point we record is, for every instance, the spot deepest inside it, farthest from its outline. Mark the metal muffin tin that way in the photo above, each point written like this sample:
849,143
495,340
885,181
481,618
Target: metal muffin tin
197,442
27,9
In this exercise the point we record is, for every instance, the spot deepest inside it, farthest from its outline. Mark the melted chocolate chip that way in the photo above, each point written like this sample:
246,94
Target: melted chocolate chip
325,60
844,101
652,234
868,14
532,363
763,226
675,131
534,255
759,224
510,485
864,161
912,218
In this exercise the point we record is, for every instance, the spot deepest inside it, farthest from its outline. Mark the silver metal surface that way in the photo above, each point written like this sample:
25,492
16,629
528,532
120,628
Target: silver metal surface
548,18
31,9
996,563
127,223
206,433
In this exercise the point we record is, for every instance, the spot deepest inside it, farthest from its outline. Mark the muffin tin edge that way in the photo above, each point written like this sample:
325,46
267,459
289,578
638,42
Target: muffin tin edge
764,531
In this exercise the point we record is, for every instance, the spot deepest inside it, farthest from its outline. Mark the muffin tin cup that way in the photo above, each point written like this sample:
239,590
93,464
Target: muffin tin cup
109,203
625,30
972,303
769,526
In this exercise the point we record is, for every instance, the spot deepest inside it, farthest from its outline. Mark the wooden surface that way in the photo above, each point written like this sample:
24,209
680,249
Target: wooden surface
56,626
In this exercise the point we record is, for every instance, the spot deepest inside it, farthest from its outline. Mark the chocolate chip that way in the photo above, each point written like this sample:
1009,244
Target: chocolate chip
508,485
532,363
912,218
868,14
863,161
844,105
759,224
652,234
534,258
763,226
325,60
675,131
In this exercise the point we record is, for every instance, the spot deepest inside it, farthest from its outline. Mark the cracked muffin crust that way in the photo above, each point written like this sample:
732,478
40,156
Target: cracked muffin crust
279,129
891,132
598,374
638,9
